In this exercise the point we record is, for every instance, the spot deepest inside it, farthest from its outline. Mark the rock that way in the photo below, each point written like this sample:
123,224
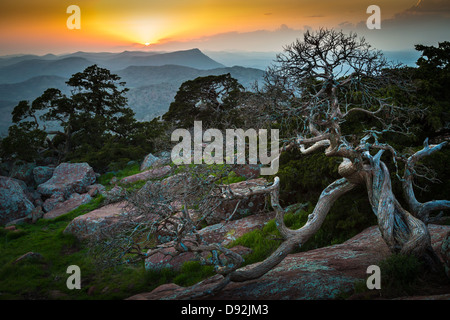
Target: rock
113,181
42,174
21,183
317,274
53,201
14,203
18,221
148,162
70,204
36,214
5,167
170,188
165,260
92,224
247,206
115,194
28,256
10,228
219,233
147,175
225,233
68,178
95,189
23,172
249,171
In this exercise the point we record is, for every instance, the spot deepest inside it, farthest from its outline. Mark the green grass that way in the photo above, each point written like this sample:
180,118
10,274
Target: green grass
41,278
128,170
38,278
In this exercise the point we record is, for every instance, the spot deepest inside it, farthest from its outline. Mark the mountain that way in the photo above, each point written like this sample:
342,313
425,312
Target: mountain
21,68
152,88
258,60
9,60
193,58
31,88
27,69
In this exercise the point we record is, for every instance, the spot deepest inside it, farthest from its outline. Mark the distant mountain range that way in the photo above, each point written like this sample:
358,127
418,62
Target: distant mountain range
152,77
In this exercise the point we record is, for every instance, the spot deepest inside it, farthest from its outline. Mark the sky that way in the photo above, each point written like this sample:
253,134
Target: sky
39,27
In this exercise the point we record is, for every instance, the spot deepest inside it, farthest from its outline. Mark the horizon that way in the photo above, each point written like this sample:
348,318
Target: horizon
264,26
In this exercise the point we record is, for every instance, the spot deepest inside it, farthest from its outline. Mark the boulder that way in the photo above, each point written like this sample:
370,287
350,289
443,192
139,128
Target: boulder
247,206
248,171
23,172
147,175
318,274
223,233
166,259
227,232
116,194
170,188
148,162
55,199
70,204
42,174
68,178
92,225
14,203
95,189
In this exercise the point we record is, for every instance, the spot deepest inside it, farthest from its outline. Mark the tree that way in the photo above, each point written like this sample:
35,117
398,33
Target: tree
95,115
316,86
433,75
210,99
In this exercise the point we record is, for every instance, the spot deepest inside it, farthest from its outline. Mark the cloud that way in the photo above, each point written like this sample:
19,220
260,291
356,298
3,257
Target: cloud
259,40
429,7
426,23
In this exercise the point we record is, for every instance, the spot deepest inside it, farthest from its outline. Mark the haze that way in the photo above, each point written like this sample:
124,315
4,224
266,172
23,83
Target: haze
39,27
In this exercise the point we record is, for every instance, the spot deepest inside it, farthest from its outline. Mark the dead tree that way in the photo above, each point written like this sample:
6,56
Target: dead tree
324,73
327,77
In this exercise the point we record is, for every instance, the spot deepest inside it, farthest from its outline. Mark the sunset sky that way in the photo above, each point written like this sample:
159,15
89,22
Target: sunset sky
39,27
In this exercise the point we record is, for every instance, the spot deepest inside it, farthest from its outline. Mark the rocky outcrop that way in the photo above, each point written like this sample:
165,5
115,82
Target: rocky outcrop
226,232
70,204
68,178
42,174
167,259
245,207
147,175
317,274
222,233
14,204
98,222
148,162
23,172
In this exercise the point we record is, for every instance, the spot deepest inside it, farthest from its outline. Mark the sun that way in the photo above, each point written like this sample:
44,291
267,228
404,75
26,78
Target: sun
147,44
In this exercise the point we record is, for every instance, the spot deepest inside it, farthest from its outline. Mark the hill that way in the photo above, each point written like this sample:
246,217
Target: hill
27,69
152,88
188,58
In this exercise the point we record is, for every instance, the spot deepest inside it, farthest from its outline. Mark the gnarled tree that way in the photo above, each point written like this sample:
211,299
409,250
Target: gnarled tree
314,88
